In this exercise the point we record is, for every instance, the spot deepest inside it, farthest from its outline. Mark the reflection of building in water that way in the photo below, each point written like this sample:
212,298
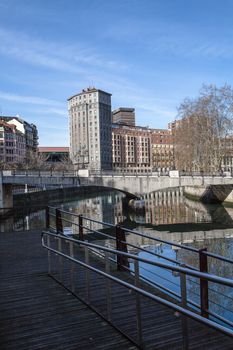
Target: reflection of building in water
24,222
169,207
105,208
197,238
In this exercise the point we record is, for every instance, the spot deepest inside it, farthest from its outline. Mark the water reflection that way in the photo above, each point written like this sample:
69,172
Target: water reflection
164,210
168,215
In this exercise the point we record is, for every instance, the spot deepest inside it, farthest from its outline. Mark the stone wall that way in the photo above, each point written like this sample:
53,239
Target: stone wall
210,194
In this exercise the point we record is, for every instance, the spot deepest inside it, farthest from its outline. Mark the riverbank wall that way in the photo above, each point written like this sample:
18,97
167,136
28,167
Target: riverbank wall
49,196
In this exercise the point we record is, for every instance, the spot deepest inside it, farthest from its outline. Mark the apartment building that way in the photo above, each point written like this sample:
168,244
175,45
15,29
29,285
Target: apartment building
27,129
90,121
131,147
12,144
162,149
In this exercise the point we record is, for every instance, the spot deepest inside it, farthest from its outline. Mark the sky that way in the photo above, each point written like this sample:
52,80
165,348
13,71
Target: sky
149,54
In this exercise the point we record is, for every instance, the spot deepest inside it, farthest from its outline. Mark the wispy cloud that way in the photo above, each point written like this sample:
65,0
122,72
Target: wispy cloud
54,55
172,38
30,100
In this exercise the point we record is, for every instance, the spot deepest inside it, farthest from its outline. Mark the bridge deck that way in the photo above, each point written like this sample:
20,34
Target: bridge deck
37,313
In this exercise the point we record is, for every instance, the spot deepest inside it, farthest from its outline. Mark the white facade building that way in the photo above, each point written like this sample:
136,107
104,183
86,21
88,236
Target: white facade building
90,129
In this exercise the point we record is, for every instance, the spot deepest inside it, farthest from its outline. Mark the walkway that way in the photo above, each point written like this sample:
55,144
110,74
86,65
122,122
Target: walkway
37,313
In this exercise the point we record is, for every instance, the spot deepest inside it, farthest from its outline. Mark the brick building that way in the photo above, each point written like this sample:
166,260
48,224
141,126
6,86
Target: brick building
162,149
131,147
123,115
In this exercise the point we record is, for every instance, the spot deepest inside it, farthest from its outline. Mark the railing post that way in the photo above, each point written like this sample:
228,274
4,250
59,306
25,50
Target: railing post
80,224
138,303
49,255
59,227
60,259
108,287
121,245
184,319
72,267
203,266
87,273
47,223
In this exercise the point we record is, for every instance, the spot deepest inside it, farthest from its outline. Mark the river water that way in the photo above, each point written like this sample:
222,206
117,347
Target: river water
168,215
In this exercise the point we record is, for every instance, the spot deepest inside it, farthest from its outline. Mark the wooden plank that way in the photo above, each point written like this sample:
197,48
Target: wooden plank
37,313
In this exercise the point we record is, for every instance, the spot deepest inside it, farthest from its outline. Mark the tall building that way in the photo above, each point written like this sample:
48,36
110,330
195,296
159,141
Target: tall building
124,116
90,129
12,144
131,148
27,129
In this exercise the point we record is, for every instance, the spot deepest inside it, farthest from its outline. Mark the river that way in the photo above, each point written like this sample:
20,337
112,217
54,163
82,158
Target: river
168,215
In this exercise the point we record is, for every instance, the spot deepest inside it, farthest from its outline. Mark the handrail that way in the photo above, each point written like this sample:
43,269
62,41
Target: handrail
129,244
59,173
84,217
122,244
193,273
139,290
217,256
182,246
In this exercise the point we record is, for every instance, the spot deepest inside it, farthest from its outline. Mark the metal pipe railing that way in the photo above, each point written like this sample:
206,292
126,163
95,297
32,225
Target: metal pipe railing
181,246
122,245
184,272
206,276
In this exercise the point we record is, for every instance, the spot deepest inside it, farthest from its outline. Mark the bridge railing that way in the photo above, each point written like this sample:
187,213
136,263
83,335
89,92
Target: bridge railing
96,261
202,296
41,173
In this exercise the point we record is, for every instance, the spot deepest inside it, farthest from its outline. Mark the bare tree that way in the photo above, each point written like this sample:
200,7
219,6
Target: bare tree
35,161
203,129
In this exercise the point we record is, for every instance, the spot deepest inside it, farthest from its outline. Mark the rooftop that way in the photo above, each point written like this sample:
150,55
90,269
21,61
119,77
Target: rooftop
53,149
88,90
123,109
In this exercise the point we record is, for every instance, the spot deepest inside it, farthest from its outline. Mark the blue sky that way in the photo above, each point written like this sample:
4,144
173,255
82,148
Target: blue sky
149,54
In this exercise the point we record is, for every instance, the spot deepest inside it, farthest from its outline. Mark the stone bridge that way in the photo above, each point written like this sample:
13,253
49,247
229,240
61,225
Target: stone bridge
39,179
140,185
137,185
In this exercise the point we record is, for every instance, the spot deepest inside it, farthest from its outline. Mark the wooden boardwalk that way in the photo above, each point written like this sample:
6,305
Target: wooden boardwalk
38,313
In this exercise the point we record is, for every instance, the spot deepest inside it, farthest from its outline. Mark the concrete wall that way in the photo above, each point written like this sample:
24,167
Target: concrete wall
141,185
54,195
6,196
210,194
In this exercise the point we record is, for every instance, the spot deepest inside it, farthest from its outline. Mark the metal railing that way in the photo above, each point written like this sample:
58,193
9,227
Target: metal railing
39,173
63,248
118,237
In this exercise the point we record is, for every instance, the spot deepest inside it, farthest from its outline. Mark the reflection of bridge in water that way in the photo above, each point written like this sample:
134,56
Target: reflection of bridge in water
171,207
